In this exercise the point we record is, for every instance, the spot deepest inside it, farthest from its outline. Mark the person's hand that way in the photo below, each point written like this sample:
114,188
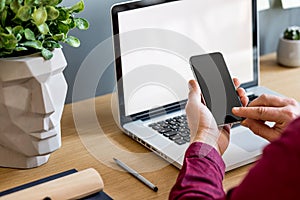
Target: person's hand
203,127
268,108
241,92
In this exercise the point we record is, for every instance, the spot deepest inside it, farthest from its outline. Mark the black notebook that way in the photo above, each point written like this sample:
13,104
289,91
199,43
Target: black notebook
97,196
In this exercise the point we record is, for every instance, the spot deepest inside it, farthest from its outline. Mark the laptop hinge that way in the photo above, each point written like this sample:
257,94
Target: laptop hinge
159,112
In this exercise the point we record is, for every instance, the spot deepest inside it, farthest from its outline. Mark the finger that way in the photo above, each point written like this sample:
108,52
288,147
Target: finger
226,128
260,113
195,92
236,82
270,100
242,94
244,100
261,129
194,97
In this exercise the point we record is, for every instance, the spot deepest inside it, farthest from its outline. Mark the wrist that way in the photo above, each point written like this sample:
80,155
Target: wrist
209,140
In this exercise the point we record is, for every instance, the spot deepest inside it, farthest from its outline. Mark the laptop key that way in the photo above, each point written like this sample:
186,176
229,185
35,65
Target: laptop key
172,123
180,141
187,138
175,137
162,130
156,127
175,128
170,133
184,134
165,125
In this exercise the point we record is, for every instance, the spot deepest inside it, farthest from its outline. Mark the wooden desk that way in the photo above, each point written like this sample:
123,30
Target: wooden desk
120,185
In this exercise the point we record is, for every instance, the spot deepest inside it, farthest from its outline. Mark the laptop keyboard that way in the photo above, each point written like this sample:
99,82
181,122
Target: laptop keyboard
176,129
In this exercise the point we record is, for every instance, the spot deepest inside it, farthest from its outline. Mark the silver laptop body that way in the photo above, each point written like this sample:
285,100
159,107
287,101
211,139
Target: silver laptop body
153,41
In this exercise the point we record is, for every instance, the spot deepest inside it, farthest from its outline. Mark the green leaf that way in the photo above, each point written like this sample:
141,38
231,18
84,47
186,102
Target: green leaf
1,29
73,41
16,20
9,41
21,49
14,6
8,2
67,21
33,44
9,29
17,30
3,17
51,44
63,28
57,45
70,22
58,2
24,13
19,37
43,28
32,2
39,16
2,5
52,2
52,13
59,37
63,14
47,54
81,23
78,7
29,35
41,37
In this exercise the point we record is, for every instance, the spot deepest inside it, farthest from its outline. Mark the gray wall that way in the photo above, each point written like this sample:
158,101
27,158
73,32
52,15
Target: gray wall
97,12
272,22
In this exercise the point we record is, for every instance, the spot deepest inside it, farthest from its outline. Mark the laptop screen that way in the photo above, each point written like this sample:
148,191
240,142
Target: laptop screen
155,39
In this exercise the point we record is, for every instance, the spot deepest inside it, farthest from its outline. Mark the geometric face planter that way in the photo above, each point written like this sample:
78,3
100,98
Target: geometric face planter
32,97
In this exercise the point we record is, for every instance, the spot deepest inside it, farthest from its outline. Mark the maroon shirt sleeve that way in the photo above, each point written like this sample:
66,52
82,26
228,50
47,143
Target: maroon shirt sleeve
275,176
201,174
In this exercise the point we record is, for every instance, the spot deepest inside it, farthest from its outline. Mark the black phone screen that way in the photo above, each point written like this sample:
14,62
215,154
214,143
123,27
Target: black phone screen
217,86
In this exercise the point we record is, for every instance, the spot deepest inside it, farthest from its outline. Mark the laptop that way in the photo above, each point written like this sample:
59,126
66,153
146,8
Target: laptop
153,42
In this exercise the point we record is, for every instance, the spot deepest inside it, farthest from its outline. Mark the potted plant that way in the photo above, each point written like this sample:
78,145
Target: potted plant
288,51
32,85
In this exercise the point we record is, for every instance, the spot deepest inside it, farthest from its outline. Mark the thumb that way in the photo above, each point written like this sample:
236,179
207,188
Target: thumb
194,88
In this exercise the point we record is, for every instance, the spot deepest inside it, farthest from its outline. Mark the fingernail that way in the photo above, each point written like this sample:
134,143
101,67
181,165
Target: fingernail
244,123
191,85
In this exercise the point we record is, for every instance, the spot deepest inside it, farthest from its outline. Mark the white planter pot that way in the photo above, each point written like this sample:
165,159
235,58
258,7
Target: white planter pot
32,96
288,52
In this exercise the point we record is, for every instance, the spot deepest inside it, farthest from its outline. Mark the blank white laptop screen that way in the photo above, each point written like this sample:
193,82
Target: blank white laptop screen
207,23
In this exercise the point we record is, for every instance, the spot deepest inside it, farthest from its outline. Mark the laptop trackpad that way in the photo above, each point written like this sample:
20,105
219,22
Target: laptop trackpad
248,141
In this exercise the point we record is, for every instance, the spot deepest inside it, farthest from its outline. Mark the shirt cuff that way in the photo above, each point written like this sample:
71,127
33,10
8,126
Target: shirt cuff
201,150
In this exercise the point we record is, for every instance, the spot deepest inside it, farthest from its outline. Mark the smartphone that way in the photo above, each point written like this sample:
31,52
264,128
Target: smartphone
217,87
